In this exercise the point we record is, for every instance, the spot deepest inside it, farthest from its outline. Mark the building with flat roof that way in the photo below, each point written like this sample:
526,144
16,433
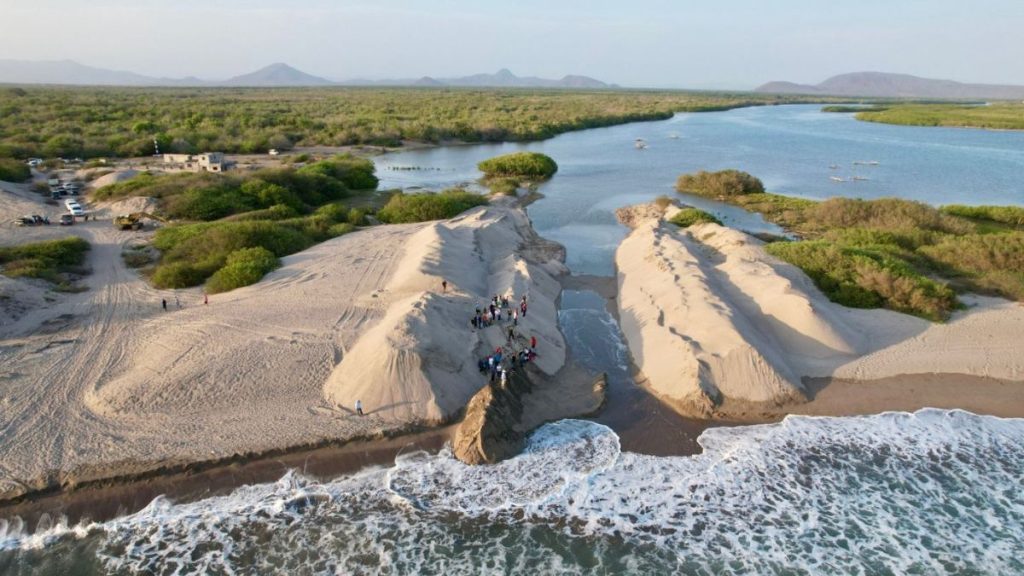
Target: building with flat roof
206,162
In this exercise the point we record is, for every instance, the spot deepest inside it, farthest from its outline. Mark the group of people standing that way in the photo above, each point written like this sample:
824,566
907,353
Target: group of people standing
499,306
502,363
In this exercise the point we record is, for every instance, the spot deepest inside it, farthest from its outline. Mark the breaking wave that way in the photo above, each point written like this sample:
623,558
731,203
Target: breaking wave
934,492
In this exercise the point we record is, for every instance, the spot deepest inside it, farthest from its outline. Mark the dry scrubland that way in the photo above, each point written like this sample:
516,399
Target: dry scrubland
122,122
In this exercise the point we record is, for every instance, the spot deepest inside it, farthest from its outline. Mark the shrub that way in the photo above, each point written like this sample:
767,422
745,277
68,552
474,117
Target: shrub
179,275
340,229
209,203
989,263
504,186
689,216
519,164
243,267
194,252
862,278
48,260
1010,215
354,173
404,208
718,184
884,213
12,170
136,258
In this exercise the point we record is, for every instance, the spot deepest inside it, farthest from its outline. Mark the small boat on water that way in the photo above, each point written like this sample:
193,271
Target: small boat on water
640,144
859,178
836,179
865,162
674,136
833,167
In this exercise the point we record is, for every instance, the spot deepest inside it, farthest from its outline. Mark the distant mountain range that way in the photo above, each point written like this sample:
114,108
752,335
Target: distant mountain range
275,75
504,78
884,85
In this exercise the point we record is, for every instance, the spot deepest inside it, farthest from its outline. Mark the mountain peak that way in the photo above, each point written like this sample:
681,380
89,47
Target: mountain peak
888,85
505,73
277,74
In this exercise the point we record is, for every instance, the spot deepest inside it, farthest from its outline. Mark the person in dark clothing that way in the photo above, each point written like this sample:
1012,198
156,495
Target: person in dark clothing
164,303
511,333
444,285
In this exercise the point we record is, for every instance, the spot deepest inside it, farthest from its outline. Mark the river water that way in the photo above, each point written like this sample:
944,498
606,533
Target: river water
935,492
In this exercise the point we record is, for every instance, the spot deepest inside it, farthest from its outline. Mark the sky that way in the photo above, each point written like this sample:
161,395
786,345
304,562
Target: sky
728,44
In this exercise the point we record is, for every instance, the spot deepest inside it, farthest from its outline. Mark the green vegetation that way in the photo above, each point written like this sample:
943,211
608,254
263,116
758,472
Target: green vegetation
405,208
867,277
192,253
891,252
56,261
690,216
721,184
986,263
1001,115
527,165
123,122
278,211
243,267
12,170
287,191
1010,215
840,109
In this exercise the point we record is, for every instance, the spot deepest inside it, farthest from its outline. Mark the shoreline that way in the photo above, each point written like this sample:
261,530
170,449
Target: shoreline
645,423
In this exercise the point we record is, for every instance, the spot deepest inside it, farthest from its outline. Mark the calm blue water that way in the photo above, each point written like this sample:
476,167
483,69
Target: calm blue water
791,148
936,492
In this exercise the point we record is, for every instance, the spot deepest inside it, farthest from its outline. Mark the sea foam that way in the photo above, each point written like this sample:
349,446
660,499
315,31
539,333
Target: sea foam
934,492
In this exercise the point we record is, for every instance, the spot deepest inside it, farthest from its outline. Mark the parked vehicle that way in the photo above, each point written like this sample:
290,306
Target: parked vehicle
33,162
33,220
76,210
67,220
71,202
133,221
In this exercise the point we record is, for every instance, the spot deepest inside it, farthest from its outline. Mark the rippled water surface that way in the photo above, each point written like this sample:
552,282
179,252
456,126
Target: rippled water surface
791,148
936,492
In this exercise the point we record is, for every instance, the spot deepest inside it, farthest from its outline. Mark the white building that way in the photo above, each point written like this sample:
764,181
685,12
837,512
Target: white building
208,162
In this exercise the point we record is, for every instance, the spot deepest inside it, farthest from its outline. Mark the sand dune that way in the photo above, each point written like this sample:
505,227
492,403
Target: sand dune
419,362
106,383
717,326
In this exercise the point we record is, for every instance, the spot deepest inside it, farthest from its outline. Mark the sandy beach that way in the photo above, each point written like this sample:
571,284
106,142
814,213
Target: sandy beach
104,383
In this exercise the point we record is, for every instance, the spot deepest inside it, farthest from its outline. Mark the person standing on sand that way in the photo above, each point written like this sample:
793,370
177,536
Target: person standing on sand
164,303
359,407
511,333
206,298
515,317
444,285
533,342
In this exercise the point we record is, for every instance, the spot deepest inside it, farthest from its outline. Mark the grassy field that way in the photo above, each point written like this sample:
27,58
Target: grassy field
123,122
897,254
999,116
